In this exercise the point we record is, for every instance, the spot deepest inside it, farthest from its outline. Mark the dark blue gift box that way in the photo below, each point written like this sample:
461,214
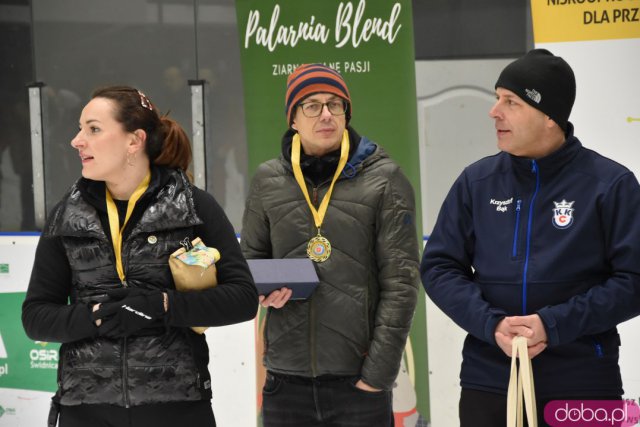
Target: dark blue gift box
297,274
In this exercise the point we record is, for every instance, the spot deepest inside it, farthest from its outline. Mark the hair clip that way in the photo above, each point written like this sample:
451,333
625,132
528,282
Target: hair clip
144,101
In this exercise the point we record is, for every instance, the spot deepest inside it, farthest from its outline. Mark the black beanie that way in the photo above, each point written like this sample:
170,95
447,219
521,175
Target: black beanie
544,81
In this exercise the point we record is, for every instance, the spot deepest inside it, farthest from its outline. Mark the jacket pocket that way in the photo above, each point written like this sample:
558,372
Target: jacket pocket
606,344
272,384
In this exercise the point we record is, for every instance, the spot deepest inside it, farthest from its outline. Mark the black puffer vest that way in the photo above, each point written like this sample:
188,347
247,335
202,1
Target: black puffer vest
154,367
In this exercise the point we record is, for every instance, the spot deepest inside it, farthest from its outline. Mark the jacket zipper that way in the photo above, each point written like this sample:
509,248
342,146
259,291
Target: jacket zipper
312,339
514,251
312,313
534,169
125,379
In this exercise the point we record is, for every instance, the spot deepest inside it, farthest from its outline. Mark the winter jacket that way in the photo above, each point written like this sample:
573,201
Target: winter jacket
357,320
557,236
75,261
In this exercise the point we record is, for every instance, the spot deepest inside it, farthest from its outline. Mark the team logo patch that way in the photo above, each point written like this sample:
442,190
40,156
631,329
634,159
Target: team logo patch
563,214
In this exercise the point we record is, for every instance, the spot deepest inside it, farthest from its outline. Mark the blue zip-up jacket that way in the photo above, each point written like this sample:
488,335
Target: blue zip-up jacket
557,236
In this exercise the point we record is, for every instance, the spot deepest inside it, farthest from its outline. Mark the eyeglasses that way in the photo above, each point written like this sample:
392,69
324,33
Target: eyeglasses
314,108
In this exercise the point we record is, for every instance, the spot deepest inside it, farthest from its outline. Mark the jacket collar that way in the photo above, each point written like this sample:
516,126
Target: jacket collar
554,161
319,169
93,192
287,141
81,210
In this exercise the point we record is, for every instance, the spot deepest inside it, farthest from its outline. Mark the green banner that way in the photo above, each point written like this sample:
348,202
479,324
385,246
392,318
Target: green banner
371,44
24,364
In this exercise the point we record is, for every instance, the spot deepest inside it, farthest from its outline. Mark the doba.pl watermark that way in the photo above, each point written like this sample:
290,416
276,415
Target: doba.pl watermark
592,413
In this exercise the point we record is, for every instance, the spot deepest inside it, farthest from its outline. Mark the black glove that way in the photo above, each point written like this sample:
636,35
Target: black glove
129,311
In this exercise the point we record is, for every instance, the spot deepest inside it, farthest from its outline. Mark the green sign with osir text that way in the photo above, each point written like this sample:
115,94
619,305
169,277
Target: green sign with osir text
24,364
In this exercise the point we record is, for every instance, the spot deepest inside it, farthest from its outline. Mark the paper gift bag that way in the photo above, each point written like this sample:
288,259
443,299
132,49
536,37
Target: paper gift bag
193,268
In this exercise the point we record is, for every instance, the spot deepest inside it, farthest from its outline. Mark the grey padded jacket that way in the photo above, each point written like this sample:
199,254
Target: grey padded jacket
357,320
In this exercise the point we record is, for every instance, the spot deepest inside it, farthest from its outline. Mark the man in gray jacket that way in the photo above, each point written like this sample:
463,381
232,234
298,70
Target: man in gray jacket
337,198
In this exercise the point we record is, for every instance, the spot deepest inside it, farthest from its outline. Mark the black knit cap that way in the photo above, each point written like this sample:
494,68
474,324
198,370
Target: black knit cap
544,81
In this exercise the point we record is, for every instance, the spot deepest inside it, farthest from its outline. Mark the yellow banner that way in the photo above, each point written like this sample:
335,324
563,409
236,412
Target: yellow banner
577,20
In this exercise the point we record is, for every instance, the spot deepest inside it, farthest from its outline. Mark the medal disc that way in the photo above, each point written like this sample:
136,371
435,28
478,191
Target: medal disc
319,249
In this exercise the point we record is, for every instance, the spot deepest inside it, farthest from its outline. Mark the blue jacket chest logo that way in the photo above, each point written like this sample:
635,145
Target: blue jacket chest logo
563,214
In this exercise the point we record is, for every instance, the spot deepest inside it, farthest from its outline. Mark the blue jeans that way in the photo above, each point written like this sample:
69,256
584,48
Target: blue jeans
292,401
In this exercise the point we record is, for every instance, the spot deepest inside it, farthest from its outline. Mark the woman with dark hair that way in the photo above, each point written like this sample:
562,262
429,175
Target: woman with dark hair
101,283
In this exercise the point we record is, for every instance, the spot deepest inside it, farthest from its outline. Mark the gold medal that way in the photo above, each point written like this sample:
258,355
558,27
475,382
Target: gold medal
319,249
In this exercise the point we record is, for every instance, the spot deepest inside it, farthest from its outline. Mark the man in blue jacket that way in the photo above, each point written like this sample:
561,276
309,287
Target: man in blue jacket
539,240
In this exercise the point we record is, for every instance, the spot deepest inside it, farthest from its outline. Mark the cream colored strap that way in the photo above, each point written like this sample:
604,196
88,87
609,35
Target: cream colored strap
521,385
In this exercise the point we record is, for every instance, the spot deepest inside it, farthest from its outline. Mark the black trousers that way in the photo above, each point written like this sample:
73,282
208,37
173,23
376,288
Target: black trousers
180,414
485,409
291,401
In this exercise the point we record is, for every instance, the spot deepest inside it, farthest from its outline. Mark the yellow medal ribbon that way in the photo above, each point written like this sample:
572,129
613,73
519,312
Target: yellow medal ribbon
114,220
321,245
